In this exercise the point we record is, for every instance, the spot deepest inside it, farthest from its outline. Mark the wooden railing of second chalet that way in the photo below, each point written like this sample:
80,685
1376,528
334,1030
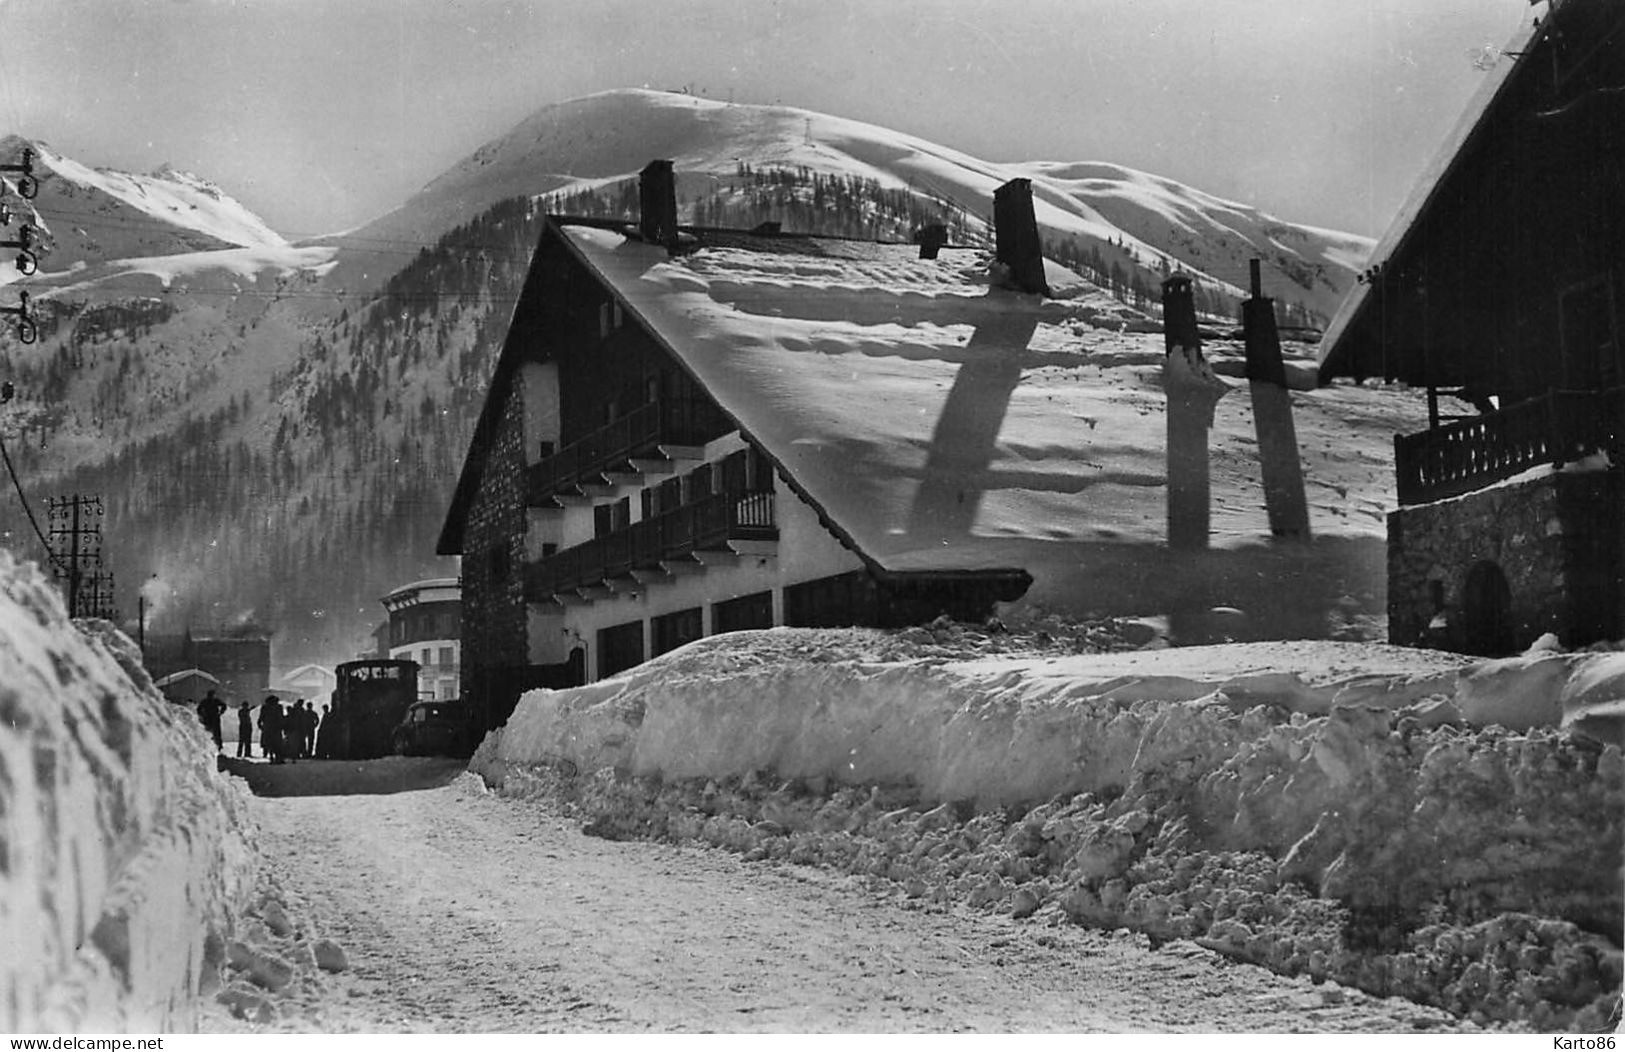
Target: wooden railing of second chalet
1470,454
673,422
705,525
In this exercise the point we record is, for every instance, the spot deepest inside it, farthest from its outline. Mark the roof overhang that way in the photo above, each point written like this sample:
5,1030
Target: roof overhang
1337,355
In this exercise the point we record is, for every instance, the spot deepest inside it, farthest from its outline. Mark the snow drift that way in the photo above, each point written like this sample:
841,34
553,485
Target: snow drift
123,850
1344,811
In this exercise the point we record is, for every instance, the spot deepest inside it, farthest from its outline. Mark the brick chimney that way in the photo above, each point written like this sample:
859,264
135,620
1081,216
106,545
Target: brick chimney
1193,390
931,238
1016,236
657,204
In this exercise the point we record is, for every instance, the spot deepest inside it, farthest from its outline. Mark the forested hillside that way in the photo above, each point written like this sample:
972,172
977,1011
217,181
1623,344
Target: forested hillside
297,505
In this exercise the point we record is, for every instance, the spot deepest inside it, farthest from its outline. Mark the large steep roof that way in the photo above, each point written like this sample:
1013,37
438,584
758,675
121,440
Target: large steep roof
1339,353
941,423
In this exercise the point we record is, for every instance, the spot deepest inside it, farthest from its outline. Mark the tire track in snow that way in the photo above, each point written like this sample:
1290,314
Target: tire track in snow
464,911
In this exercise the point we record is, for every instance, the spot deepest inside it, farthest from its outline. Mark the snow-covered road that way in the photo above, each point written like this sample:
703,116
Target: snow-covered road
462,910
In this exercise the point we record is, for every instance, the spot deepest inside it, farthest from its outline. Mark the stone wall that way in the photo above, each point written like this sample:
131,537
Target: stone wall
494,620
123,851
1555,539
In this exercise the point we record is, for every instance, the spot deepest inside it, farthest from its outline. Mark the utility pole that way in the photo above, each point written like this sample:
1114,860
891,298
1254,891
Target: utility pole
27,261
76,538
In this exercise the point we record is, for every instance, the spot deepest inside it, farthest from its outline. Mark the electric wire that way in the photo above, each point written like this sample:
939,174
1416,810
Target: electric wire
32,521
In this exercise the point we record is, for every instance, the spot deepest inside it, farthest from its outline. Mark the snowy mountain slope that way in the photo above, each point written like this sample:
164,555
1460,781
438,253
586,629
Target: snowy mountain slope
1209,233
119,213
1140,219
105,235
276,428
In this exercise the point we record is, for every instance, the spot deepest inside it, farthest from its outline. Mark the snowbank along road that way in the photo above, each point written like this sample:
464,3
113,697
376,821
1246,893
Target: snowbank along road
463,910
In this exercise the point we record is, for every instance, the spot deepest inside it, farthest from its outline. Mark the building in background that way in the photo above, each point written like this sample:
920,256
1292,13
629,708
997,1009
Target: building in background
241,661
312,682
425,625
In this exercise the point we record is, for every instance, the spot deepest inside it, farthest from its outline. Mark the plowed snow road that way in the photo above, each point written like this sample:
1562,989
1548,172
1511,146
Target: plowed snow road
465,911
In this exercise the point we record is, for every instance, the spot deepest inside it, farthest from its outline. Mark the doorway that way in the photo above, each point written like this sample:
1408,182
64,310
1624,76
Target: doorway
1487,611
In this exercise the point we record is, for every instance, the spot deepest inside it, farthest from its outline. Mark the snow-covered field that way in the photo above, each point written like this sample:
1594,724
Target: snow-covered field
125,855
1401,821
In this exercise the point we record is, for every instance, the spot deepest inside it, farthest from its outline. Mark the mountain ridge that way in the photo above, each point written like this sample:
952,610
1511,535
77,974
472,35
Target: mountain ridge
276,426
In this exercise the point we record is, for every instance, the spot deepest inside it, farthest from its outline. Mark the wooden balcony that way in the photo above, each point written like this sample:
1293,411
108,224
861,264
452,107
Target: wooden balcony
650,549
1469,454
645,435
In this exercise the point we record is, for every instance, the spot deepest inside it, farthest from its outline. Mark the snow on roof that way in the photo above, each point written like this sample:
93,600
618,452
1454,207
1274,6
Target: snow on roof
437,587
944,423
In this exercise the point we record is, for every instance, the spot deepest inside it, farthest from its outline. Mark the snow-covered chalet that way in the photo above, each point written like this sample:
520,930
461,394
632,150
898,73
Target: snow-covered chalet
694,431
1498,290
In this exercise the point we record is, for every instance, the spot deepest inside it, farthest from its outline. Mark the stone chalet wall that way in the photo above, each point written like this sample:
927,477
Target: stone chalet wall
494,621
124,853
1556,539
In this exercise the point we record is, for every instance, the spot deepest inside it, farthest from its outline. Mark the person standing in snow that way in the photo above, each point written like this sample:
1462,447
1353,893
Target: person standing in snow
245,732
271,729
292,732
312,721
299,727
209,711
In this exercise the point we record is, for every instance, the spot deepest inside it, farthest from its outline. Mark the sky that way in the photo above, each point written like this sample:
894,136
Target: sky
322,114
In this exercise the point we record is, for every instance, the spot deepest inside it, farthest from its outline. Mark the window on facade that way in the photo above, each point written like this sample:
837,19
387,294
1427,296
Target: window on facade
500,564
697,484
610,518
746,471
620,648
445,656
670,631
747,611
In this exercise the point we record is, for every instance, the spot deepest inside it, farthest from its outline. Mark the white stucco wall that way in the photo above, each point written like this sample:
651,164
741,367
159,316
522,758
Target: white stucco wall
805,551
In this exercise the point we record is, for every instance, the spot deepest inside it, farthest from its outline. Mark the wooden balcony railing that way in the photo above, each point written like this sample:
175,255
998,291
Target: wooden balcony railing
705,525
663,422
1470,454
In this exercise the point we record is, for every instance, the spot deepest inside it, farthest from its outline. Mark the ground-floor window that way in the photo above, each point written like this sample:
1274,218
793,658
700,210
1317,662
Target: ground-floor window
671,631
619,648
832,602
745,612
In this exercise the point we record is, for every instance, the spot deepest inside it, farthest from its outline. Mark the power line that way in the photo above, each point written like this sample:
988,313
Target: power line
32,521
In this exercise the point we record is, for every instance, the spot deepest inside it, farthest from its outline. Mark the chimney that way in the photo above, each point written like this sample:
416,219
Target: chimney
1016,236
1284,498
931,237
657,204
1192,390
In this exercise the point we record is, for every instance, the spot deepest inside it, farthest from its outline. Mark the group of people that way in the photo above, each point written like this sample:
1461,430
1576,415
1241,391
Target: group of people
286,733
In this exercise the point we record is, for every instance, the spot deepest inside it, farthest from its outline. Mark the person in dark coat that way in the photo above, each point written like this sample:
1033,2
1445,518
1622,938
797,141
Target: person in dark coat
245,732
309,721
293,732
209,711
271,729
